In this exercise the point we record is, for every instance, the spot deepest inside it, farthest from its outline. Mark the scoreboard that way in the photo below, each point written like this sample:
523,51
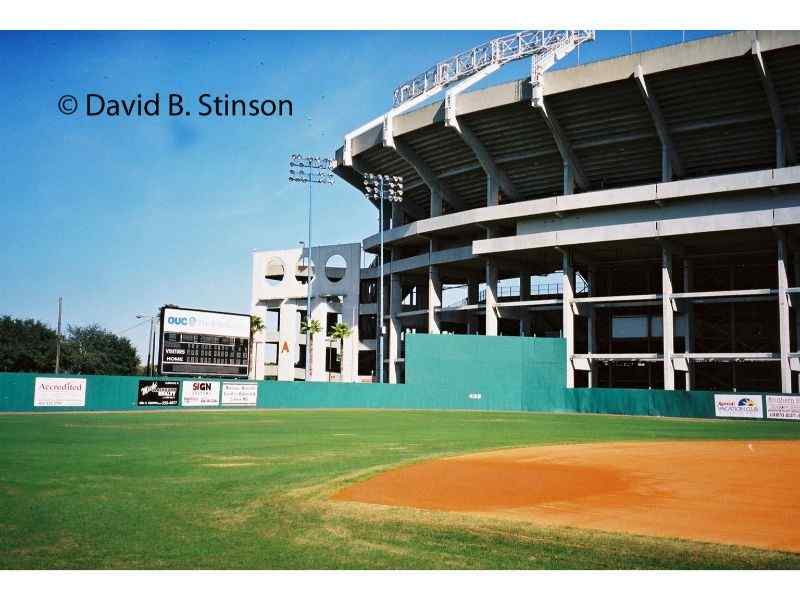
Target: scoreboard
204,342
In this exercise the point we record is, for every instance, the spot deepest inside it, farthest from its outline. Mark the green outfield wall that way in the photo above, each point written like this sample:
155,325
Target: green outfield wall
442,372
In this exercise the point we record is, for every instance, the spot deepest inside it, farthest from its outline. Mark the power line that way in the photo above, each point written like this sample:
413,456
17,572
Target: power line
140,323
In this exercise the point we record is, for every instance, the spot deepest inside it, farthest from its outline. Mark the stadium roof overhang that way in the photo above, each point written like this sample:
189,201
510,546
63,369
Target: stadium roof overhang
712,105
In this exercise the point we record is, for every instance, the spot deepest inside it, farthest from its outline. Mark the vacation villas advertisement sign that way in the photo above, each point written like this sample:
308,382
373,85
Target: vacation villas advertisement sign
746,406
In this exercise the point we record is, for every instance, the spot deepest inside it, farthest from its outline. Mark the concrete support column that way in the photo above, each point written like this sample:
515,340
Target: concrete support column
783,314
567,316
395,298
591,332
780,148
398,215
492,191
796,282
257,361
491,298
569,179
319,312
434,296
256,368
666,164
688,340
524,294
387,217
524,286
288,340
349,346
667,319
436,204
473,287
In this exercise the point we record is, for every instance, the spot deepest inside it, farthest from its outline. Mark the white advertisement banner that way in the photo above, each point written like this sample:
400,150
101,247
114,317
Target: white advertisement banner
239,394
783,407
59,391
745,406
179,320
200,393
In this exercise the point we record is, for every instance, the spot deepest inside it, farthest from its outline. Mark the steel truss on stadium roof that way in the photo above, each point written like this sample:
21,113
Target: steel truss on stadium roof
544,46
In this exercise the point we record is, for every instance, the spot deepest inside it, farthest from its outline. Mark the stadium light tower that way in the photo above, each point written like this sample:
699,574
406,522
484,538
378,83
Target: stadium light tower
310,170
380,188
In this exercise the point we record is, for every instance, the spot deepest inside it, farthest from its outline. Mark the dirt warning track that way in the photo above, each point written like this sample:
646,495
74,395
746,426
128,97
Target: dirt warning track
745,493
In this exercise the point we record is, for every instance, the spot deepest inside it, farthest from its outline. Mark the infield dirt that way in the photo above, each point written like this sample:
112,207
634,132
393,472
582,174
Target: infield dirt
743,493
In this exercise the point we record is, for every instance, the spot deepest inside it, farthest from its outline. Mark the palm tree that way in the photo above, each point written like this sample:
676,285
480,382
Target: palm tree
312,328
339,332
256,325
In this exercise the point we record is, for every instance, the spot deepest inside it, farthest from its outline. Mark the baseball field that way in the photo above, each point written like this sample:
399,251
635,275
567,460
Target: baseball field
346,489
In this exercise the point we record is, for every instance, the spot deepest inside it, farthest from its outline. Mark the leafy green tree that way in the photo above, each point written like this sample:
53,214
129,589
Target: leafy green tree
312,328
26,345
256,325
340,332
92,350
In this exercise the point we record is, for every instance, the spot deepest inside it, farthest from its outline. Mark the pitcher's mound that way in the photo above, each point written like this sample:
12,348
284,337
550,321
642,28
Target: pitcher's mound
745,493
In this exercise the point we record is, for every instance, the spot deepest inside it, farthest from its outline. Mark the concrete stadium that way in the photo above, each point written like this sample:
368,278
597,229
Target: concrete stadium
608,204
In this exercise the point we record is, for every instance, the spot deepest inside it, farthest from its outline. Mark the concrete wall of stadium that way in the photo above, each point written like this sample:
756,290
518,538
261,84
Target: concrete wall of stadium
443,372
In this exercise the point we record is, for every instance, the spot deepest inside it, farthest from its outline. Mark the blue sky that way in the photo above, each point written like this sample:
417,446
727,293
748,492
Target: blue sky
122,215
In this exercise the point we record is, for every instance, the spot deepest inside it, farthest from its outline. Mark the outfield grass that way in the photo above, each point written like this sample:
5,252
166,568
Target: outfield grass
247,490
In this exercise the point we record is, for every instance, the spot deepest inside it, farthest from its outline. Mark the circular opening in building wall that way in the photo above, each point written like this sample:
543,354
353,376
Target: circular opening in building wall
275,272
335,268
305,269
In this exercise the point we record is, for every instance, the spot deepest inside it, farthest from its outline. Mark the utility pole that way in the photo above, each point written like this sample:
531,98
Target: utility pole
58,336
153,344
149,348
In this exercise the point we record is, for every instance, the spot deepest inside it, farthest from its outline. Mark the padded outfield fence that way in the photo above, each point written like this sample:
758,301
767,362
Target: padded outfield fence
442,372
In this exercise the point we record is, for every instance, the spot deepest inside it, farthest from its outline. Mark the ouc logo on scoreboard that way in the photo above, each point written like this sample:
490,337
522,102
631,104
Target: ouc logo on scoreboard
185,320
743,406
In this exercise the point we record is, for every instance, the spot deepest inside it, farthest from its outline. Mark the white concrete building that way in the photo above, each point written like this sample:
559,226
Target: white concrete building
280,290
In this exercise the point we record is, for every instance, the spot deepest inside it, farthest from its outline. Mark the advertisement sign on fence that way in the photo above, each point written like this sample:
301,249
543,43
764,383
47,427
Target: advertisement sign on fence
59,391
200,393
158,393
747,406
239,394
783,407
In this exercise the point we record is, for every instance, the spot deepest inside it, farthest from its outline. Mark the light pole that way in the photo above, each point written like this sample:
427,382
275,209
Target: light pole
381,188
308,299
310,170
58,336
